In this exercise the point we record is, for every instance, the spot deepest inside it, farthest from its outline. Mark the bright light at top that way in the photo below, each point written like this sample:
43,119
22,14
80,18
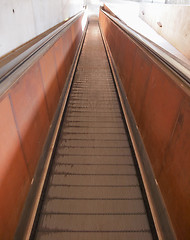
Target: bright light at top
84,19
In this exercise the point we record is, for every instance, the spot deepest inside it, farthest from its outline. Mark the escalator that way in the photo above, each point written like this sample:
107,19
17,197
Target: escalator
94,190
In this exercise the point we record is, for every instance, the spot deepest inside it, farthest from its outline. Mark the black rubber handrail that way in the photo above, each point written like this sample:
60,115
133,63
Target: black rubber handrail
11,66
180,69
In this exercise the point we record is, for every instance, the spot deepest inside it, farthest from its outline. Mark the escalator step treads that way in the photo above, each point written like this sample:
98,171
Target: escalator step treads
74,159
88,180
93,190
94,169
62,222
93,143
94,235
56,192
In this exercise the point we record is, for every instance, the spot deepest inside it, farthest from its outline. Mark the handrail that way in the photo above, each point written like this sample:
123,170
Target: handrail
182,70
11,66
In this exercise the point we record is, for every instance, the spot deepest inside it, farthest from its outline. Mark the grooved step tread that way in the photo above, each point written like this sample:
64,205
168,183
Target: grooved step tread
93,191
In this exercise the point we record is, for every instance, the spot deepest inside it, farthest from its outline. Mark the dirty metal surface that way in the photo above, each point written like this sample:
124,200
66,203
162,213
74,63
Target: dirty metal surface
93,190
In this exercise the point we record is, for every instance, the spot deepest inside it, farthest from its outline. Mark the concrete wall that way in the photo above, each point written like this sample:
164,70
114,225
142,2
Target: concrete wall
167,1
152,1
22,20
171,21
178,1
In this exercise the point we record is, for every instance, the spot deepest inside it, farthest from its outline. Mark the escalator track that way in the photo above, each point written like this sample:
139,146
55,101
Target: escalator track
93,191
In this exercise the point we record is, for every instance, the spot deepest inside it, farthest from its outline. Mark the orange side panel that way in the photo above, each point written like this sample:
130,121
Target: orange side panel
76,30
60,63
14,177
139,79
31,114
67,43
126,62
50,82
74,35
175,175
159,115
123,53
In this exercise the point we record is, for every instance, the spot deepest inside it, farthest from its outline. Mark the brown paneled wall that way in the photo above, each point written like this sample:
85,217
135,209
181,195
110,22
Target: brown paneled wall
26,111
161,105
